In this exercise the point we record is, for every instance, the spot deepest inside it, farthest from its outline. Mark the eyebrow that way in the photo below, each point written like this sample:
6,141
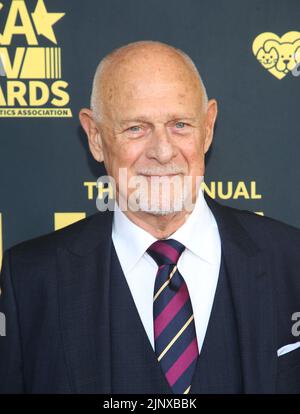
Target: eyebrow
145,118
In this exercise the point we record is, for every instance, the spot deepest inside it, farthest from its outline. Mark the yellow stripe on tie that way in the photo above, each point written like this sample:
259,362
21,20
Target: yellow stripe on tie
187,390
165,284
175,337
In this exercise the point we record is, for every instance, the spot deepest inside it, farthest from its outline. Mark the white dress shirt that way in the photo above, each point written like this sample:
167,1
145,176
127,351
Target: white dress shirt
199,264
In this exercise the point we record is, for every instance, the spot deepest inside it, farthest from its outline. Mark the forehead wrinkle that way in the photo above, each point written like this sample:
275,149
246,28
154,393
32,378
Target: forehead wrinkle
137,85
134,59
147,118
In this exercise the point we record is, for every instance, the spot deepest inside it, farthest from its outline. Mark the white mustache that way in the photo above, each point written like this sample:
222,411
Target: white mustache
160,171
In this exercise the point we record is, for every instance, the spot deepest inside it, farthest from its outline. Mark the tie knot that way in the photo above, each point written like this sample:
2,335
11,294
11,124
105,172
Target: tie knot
166,251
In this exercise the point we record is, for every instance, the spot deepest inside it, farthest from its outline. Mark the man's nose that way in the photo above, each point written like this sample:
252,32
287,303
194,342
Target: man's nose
161,146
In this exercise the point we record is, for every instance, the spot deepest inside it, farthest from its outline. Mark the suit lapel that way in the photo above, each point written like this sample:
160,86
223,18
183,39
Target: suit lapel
83,280
252,294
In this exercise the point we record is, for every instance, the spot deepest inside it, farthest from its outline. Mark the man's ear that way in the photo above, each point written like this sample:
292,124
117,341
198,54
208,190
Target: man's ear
92,132
211,116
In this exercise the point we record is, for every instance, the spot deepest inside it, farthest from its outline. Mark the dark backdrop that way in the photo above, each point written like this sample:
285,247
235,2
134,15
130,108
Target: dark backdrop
45,160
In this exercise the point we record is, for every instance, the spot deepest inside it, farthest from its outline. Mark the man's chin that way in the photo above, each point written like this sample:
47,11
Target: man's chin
157,210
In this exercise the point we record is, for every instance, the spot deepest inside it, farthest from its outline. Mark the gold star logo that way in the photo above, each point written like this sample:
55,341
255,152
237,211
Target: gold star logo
44,21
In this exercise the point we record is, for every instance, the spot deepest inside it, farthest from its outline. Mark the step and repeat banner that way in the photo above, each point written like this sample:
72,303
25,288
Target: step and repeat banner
247,51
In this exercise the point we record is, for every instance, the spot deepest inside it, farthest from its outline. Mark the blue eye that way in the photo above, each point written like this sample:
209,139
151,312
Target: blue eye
134,128
181,124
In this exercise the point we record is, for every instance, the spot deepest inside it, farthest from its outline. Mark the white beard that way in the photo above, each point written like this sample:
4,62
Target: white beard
161,203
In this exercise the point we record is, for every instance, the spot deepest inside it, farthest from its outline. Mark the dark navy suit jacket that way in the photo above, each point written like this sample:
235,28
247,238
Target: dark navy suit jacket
56,302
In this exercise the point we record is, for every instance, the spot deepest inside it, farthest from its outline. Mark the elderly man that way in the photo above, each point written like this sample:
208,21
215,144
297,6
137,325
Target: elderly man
170,292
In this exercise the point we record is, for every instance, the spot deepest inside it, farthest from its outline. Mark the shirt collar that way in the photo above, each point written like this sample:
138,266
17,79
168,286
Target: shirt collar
131,240
198,232
195,233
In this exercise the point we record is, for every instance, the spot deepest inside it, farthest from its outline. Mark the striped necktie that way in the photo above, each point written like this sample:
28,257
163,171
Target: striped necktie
175,338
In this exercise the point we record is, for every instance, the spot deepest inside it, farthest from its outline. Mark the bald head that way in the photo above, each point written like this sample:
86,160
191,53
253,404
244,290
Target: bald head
144,60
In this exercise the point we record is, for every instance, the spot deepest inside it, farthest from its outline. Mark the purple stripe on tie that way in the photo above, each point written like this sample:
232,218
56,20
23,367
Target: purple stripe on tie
172,308
182,363
166,250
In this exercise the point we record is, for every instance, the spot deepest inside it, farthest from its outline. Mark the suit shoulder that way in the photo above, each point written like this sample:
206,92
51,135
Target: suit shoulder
268,229
45,245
